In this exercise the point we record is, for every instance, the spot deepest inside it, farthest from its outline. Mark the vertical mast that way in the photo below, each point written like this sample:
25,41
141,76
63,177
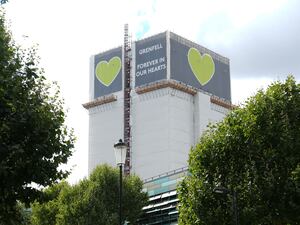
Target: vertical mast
127,89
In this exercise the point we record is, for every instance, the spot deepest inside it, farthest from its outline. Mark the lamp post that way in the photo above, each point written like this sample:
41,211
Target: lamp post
120,154
233,193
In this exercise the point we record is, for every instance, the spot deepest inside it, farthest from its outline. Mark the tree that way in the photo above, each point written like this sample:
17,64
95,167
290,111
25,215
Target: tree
92,201
45,211
33,138
24,214
255,152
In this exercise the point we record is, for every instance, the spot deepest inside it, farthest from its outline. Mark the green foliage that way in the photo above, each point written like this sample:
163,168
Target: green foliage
45,211
92,201
24,214
255,151
33,138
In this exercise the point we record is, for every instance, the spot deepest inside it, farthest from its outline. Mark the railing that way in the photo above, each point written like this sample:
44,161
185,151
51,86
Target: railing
166,174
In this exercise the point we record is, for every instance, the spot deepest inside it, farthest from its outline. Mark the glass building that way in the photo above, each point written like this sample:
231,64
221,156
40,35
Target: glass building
163,201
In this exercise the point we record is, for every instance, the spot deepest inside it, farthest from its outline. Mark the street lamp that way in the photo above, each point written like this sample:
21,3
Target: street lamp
120,154
233,193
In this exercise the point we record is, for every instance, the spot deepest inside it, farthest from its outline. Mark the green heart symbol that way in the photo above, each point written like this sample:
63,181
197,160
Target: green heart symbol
203,66
106,72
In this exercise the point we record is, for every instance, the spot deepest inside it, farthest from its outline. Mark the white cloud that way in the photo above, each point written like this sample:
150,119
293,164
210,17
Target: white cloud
242,89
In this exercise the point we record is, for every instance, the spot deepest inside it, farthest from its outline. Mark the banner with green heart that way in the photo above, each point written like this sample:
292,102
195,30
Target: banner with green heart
203,67
106,72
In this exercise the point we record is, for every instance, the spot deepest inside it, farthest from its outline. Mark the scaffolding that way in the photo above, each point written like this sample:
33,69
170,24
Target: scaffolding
127,98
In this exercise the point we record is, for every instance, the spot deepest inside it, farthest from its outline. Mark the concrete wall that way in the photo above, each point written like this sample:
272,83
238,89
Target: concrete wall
165,124
150,132
162,131
105,128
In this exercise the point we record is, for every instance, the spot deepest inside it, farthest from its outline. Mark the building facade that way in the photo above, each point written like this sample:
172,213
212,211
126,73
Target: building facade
177,88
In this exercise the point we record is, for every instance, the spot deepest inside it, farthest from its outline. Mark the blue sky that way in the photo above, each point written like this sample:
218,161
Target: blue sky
260,37
143,29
